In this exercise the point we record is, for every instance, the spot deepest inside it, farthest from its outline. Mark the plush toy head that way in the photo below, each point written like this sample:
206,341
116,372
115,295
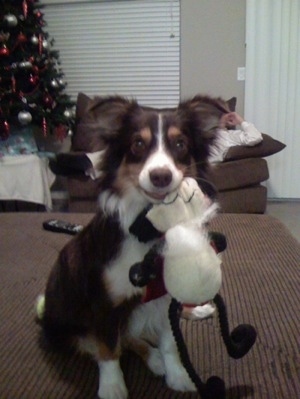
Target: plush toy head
186,204
192,268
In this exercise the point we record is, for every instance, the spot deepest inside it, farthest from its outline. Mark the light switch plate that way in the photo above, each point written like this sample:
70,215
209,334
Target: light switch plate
241,73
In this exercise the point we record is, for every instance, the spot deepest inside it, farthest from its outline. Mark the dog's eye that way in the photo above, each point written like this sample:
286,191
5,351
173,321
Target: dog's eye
180,146
138,147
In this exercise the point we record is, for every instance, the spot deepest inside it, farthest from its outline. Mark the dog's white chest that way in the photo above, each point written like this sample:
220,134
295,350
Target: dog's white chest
117,273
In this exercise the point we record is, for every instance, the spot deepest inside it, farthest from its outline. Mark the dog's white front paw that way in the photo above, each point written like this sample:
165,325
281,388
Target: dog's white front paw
155,362
111,381
177,378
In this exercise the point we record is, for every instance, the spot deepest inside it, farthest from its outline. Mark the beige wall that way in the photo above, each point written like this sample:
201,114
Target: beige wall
212,48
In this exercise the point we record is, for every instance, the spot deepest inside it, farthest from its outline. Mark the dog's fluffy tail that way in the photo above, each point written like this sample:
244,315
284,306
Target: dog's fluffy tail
40,307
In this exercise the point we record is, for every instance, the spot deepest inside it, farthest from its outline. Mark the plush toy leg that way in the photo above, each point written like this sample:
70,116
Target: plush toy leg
241,339
218,240
214,388
207,187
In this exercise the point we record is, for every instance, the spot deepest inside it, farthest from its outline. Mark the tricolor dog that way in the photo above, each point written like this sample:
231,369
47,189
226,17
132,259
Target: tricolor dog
89,300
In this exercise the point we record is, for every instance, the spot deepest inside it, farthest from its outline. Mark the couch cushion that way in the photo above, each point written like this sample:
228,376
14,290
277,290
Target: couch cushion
251,199
237,174
83,187
82,205
265,148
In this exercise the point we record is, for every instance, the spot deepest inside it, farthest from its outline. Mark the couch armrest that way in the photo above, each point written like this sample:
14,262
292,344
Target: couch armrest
236,174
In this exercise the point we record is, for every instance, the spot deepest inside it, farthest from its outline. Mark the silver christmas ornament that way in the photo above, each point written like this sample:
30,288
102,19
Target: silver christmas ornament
54,83
68,113
24,117
34,39
11,20
25,65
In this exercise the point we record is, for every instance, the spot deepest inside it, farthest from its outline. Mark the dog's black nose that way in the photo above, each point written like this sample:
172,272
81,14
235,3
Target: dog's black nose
161,177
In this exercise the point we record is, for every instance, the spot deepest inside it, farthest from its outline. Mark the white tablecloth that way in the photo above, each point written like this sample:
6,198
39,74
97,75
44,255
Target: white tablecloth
26,178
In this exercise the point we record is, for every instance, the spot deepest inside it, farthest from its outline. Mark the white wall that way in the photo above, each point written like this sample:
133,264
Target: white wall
212,48
273,86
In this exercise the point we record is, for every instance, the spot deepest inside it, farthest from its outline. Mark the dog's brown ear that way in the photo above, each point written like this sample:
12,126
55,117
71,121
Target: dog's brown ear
204,114
98,119
82,104
201,119
107,113
216,102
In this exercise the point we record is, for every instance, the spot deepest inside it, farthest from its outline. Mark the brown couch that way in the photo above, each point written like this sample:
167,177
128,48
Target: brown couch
238,179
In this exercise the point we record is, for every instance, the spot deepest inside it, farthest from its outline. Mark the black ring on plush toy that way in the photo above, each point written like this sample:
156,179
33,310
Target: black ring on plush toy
242,337
214,388
237,343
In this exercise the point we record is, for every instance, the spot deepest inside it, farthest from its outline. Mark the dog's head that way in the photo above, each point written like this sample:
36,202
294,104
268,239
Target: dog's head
147,151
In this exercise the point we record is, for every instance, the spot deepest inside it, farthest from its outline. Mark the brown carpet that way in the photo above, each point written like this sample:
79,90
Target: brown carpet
260,286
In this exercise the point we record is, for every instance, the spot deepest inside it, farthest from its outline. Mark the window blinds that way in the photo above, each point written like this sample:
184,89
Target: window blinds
128,47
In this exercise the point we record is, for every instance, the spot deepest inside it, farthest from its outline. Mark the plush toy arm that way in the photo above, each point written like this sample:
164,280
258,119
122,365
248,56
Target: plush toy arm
141,273
207,188
143,229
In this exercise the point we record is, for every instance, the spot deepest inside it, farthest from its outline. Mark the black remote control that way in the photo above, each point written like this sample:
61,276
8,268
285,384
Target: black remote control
60,226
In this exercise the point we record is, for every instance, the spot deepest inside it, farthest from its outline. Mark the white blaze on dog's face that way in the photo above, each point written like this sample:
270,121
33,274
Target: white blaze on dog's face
160,174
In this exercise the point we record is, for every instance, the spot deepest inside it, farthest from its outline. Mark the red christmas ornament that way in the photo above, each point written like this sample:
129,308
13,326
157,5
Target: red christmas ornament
40,43
13,84
35,69
25,8
34,79
47,100
61,132
21,38
44,127
4,130
38,14
4,51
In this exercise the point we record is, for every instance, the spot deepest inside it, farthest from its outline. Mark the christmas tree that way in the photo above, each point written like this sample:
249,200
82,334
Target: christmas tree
32,88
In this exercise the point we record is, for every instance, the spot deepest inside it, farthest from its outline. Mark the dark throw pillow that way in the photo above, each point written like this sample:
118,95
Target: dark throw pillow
268,146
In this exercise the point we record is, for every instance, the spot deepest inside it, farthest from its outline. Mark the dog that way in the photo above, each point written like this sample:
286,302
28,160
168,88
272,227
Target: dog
89,300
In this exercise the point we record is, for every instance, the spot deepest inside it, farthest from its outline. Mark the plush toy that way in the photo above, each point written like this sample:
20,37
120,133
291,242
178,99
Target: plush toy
186,264
186,252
